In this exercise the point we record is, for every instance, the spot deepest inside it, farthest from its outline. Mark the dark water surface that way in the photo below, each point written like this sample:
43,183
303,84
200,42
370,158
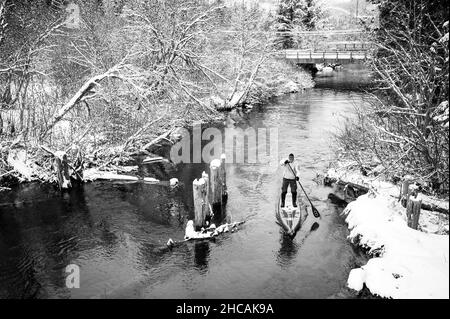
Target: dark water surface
115,231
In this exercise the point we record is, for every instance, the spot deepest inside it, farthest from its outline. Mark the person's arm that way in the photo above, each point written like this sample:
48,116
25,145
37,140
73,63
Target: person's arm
283,162
297,170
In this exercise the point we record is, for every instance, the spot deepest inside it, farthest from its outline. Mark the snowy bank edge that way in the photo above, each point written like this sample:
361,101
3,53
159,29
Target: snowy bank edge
406,263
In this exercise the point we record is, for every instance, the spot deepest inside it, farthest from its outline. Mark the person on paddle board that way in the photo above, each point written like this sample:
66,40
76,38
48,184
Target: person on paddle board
290,179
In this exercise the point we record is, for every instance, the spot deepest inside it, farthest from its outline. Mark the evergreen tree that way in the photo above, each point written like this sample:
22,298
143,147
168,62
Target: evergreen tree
308,14
296,14
284,25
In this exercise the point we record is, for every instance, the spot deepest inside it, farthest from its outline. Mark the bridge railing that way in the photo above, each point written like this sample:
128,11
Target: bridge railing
307,56
349,46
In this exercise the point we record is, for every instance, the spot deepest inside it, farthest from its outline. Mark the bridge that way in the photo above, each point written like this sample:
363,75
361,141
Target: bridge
327,57
329,47
324,46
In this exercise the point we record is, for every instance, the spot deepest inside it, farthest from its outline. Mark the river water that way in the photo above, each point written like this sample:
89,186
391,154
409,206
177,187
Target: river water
115,232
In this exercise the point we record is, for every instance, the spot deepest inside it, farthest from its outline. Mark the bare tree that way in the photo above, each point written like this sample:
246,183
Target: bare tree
406,128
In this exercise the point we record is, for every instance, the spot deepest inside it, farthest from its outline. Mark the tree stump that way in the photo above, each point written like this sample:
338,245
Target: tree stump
62,170
413,212
78,166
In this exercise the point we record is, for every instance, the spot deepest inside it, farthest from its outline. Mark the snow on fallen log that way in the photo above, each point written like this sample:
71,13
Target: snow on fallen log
93,174
128,169
151,180
407,263
149,160
210,232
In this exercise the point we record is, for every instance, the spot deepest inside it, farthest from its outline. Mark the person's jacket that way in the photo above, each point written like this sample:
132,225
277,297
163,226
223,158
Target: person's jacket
287,172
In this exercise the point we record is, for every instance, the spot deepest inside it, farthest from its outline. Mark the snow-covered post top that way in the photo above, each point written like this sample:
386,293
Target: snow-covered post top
215,164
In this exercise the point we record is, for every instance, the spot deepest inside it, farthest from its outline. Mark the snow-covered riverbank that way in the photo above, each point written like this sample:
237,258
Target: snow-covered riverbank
405,263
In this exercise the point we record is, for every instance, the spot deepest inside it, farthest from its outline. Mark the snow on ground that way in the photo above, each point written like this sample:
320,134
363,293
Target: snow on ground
406,263
411,263
430,222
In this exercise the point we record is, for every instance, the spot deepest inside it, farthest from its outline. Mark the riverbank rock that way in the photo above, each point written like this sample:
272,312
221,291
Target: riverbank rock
291,87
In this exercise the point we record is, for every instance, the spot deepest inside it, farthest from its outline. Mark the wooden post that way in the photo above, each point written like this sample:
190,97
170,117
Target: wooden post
199,192
413,212
216,182
404,190
223,175
206,207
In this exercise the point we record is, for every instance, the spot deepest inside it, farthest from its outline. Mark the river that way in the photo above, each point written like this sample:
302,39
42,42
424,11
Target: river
114,231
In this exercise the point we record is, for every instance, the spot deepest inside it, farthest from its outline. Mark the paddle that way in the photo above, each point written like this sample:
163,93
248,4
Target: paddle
314,210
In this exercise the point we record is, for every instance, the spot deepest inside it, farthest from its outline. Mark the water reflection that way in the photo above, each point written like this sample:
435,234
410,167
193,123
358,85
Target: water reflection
288,250
201,254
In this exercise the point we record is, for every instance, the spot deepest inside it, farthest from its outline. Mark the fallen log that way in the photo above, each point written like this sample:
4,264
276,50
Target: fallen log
328,181
87,88
149,160
209,232
93,174
433,207
163,136
427,203
351,190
